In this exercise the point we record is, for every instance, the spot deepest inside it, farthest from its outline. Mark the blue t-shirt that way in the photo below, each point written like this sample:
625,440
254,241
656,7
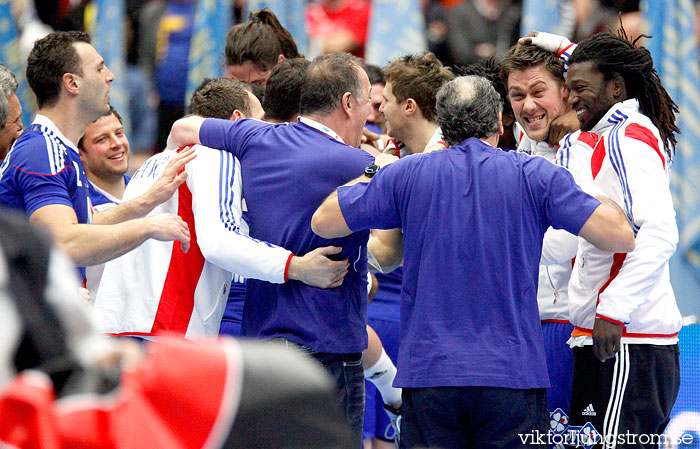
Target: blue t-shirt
288,170
43,168
473,219
385,305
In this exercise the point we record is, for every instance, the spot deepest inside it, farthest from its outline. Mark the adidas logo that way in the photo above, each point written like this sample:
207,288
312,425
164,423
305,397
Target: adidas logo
588,411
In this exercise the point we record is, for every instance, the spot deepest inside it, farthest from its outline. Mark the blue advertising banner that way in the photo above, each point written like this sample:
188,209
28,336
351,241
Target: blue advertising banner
109,40
10,56
212,19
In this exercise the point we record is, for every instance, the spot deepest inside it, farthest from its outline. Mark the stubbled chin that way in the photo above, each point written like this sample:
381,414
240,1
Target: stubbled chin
537,134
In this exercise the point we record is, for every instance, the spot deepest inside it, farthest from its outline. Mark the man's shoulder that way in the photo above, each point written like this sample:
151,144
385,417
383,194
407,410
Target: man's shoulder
38,152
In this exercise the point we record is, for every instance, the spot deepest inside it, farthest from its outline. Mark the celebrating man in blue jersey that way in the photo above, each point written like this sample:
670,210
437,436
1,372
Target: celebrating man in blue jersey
288,169
43,175
471,358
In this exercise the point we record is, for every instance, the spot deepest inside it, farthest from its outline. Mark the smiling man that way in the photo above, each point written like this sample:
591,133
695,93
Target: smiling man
626,357
44,176
534,80
104,151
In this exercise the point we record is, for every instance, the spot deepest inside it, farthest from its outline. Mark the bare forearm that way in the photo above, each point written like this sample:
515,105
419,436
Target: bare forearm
136,208
185,131
608,228
92,244
328,221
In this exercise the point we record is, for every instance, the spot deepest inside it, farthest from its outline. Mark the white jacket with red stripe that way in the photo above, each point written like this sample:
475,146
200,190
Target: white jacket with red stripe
559,247
157,288
630,166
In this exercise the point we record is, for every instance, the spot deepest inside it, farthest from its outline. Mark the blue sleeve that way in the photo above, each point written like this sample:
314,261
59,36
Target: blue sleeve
376,204
40,175
228,135
565,205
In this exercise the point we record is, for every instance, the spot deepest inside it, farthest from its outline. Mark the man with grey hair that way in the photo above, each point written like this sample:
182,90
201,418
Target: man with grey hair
10,110
287,170
471,357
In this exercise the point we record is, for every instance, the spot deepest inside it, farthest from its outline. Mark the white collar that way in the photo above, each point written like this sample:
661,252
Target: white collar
615,114
43,120
534,148
321,127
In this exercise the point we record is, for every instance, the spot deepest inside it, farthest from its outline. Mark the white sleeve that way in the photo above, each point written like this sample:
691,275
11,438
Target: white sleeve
565,54
574,154
558,246
649,206
214,179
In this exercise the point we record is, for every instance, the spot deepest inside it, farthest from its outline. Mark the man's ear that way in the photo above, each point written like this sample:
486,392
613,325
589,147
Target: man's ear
501,130
280,58
410,107
346,103
71,83
237,115
616,88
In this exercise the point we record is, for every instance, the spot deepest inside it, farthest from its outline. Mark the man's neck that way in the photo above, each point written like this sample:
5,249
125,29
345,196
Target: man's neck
422,131
67,119
491,140
335,121
115,186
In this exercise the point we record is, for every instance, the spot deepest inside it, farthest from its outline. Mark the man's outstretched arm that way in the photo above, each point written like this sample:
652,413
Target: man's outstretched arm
185,131
608,229
328,220
90,244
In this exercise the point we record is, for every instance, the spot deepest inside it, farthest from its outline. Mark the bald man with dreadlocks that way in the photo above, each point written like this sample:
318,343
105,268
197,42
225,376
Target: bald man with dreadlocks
626,368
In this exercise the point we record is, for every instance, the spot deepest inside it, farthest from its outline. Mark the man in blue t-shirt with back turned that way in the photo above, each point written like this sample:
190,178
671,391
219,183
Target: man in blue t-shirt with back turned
471,358
288,169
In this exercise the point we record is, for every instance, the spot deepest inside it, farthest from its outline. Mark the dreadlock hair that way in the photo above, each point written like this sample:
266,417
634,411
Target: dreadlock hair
617,55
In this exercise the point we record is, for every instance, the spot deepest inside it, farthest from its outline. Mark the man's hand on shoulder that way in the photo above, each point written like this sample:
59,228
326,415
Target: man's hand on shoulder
167,183
606,339
317,270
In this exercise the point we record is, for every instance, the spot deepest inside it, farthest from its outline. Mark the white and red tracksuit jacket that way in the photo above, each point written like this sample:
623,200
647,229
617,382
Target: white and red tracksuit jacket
559,247
157,288
630,166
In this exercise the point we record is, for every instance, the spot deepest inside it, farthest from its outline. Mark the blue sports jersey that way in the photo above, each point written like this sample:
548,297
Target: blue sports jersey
43,168
102,200
288,170
473,219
